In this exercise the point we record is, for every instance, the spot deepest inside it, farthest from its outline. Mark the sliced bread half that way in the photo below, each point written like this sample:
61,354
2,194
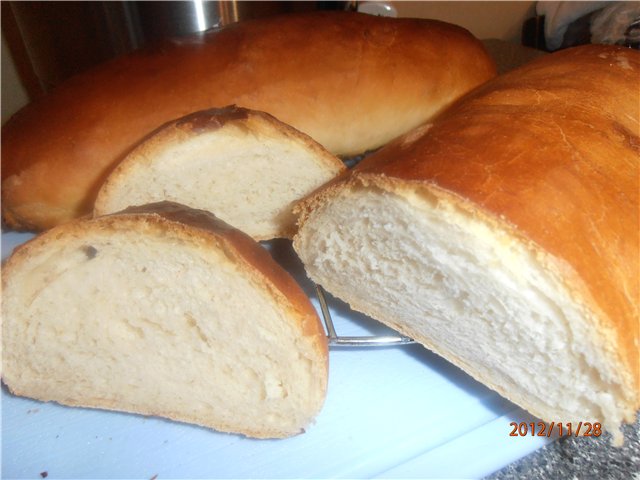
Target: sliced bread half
163,310
245,166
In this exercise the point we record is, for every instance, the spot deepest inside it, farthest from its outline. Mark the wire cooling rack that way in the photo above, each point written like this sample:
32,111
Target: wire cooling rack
336,340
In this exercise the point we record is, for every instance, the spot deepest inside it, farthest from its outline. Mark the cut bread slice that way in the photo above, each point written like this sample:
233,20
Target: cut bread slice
245,166
163,310
505,236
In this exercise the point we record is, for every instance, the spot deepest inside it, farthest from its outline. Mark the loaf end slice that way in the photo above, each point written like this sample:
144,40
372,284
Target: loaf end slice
245,166
505,237
166,311
471,289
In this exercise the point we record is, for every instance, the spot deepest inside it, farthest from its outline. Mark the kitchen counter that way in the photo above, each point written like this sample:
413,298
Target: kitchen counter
580,458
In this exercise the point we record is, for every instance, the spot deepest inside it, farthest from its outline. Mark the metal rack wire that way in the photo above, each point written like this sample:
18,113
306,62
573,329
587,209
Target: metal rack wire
336,340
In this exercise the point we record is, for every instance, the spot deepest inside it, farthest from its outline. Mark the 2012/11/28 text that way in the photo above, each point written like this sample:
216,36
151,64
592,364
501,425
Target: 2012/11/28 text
542,429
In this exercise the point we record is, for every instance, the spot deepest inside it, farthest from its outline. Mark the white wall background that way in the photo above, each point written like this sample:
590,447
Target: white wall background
502,20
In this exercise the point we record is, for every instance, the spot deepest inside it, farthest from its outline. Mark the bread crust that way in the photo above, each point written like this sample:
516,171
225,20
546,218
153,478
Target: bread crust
554,161
204,229
350,81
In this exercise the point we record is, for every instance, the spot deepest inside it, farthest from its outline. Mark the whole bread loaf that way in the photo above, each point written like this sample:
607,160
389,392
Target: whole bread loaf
245,166
163,310
505,236
350,81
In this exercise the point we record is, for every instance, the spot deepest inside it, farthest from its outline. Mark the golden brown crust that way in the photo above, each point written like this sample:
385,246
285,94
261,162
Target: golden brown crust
550,152
211,119
350,81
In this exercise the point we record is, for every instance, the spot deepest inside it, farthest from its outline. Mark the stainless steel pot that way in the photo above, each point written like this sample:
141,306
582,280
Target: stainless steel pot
51,41
156,19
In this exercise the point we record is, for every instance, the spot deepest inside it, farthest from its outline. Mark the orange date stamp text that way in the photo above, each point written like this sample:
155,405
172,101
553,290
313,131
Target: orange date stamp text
542,429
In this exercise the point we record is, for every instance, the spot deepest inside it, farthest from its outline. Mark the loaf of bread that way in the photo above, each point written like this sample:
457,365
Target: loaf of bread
245,166
350,81
163,310
505,237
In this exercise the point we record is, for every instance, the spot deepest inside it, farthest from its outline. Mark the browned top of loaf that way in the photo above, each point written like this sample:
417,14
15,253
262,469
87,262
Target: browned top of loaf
553,148
350,81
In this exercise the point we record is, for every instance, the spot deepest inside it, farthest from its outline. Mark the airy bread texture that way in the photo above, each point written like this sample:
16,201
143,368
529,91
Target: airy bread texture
245,166
505,236
163,310
350,81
